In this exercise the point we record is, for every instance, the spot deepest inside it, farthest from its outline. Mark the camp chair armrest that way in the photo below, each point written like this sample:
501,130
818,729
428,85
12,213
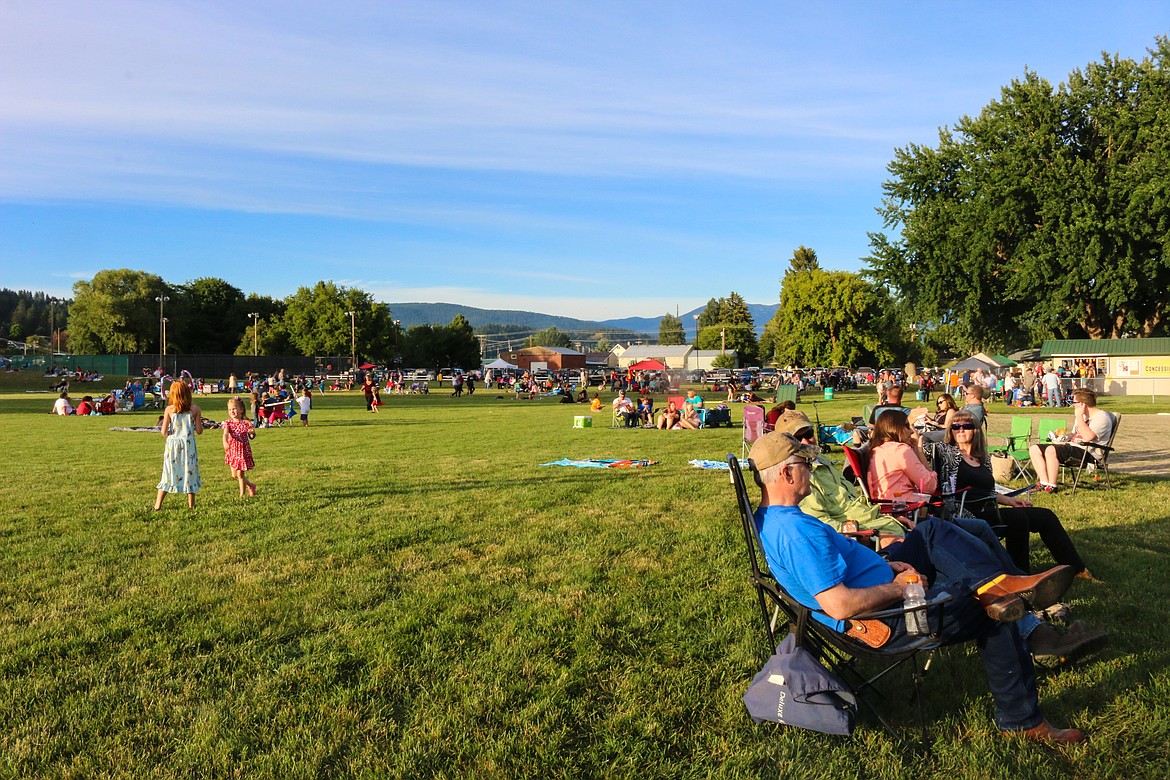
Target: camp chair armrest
887,506
1096,445
940,599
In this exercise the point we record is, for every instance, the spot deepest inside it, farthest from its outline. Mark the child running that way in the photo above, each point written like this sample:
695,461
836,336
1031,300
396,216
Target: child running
237,448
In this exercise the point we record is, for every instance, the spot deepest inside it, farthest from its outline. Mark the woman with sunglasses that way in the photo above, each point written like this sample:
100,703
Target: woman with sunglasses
937,424
964,463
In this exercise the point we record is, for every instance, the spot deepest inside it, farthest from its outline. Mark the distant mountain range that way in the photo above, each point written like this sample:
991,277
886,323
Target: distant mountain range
442,313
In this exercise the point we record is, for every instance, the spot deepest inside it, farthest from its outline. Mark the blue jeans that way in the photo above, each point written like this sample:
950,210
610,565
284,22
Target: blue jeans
957,562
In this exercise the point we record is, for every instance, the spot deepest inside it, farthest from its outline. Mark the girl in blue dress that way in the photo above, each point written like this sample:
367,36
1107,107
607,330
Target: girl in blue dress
181,423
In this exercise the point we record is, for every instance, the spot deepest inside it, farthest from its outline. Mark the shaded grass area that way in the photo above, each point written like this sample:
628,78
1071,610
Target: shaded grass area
410,595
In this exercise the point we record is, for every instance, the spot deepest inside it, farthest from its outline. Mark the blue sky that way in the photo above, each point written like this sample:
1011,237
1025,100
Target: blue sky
591,159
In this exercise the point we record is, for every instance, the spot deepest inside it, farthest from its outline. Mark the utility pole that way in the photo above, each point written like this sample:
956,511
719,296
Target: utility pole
162,299
353,340
255,315
52,326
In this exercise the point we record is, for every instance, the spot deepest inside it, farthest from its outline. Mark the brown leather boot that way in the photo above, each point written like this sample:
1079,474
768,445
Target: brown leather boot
1046,732
1010,597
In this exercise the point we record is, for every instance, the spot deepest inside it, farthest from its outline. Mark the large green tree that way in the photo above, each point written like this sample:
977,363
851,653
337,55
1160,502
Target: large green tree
670,331
804,259
1047,215
441,346
116,312
318,323
727,323
271,335
213,316
550,337
832,318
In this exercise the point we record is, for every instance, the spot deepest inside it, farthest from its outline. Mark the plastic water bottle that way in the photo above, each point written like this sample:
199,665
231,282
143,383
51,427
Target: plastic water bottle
915,596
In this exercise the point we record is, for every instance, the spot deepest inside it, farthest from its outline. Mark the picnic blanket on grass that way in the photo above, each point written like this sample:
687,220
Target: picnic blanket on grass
601,463
710,464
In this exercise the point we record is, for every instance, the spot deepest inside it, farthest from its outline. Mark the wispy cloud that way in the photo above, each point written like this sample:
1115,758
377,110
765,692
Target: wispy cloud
508,150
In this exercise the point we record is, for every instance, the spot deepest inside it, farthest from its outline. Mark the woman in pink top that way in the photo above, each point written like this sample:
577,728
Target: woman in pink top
897,465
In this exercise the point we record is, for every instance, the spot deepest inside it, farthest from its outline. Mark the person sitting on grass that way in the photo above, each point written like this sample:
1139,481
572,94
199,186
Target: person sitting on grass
689,418
86,407
668,420
595,405
62,406
840,578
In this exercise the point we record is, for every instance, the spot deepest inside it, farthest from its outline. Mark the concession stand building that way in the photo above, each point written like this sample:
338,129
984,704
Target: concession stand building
1123,366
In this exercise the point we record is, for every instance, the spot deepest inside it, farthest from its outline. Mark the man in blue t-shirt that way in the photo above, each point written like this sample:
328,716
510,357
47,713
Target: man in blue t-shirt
841,578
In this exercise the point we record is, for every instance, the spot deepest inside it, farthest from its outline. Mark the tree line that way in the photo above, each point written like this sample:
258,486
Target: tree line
121,311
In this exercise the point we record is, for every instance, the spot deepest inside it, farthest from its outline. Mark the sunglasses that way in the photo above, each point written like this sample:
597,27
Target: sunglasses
807,433
963,427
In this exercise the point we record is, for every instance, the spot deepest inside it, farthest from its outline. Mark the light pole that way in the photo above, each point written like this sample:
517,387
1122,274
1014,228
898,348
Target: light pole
165,320
162,299
255,315
52,326
353,340
397,327
696,316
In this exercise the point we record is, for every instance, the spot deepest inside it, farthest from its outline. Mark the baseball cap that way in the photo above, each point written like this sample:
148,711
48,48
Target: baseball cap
792,421
777,447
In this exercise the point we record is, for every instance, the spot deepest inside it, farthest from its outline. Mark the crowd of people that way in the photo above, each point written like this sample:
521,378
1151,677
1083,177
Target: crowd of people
1016,618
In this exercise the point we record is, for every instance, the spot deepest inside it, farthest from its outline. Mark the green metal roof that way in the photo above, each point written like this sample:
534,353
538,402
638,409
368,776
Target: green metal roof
1076,347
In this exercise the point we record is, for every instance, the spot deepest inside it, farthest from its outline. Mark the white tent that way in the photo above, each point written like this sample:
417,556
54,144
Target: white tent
500,363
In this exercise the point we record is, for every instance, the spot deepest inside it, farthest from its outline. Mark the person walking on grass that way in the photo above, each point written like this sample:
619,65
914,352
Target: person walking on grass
181,422
237,447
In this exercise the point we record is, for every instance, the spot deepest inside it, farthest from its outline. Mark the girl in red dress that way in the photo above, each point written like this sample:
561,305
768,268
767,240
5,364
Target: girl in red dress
237,447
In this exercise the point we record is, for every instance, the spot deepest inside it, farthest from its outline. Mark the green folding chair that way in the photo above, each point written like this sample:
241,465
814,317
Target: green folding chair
1048,425
1015,446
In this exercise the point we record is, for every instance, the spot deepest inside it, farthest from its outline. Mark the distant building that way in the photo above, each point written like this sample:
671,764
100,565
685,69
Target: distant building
671,357
1123,366
703,358
550,358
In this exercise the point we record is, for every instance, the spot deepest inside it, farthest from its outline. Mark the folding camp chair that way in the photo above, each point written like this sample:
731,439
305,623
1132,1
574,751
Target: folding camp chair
753,426
839,652
1046,426
857,465
1099,452
1015,445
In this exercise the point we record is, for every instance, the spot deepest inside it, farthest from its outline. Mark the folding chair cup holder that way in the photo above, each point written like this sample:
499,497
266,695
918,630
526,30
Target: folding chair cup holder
840,653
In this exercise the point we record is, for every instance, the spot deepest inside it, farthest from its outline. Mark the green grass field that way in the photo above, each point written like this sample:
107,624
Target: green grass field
410,595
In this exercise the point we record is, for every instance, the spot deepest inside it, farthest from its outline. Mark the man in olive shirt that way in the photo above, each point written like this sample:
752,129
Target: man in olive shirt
835,500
